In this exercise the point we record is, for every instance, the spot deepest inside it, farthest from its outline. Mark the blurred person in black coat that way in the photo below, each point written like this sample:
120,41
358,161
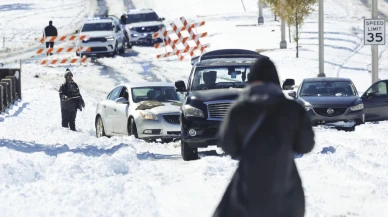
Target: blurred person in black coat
71,100
263,130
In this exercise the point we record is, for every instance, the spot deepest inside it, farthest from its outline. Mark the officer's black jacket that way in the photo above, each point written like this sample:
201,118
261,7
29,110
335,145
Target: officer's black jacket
50,31
266,182
74,99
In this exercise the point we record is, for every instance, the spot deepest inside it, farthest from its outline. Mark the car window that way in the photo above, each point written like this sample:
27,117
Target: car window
124,93
379,88
219,77
328,88
90,27
146,17
161,94
114,94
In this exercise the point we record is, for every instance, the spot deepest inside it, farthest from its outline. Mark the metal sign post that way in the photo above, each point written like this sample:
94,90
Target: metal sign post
261,18
374,35
321,41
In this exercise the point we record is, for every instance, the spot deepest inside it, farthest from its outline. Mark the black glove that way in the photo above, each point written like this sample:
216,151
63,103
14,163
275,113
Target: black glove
82,103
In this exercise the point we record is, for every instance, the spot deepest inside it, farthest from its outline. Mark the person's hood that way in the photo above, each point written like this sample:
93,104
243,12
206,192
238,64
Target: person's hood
265,94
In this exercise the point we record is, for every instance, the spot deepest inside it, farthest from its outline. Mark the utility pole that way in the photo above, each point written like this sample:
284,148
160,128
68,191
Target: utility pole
283,42
375,48
321,41
261,18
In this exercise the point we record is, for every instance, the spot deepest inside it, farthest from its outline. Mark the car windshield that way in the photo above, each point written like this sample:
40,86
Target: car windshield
90,27
220,77
328,88
161,94
136,18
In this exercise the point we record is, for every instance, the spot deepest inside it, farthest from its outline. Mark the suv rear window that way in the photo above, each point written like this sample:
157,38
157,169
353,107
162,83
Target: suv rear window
220,77
136,18
90,27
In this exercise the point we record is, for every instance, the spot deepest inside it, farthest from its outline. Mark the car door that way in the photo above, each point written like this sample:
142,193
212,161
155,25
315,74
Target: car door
110,109
375,101
121,114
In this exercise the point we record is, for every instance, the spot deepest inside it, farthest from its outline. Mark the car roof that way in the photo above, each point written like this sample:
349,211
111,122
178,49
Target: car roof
100,21
227,62
326,79
226,57
148,84
140,11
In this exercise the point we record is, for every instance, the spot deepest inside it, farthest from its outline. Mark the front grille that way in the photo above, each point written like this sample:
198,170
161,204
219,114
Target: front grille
147,29
98,49
218,110
96,39
172,119
173,132
324,111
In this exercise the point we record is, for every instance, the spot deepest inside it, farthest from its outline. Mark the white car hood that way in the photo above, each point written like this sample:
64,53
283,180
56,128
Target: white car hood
144,24
158,107
98,34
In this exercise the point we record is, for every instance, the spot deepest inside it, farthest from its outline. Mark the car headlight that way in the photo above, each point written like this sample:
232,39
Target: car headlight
148,115
357,107
190,111
110,38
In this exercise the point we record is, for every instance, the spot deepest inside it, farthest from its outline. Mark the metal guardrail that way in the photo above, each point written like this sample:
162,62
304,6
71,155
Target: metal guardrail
10,87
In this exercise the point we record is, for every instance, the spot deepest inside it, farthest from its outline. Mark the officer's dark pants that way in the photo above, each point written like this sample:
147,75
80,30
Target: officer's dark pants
68,118
51,45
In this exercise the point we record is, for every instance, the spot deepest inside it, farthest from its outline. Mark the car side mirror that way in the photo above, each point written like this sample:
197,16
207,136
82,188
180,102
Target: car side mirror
292,94
122,100
118,29
374,93
288,84
180,86
162,18
76,31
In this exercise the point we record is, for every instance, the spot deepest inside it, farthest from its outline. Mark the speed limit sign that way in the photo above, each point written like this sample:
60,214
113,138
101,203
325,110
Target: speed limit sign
374,32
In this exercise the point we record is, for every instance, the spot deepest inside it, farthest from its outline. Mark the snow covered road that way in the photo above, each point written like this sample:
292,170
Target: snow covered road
46,170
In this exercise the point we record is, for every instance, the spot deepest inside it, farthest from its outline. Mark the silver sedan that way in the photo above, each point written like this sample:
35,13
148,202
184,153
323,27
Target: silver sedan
147,111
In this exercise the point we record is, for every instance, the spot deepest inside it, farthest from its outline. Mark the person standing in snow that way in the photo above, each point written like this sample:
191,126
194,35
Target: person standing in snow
50,30
71,100
264,129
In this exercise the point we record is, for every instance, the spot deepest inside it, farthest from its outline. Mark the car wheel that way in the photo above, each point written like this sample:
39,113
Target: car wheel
100,131
359,122
132,129
122,49
187,152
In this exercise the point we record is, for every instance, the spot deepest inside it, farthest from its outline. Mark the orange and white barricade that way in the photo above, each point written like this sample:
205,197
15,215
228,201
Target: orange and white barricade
67,61
181,40
63,61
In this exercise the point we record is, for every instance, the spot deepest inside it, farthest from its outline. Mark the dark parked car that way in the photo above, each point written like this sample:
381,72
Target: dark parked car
216,79
329,100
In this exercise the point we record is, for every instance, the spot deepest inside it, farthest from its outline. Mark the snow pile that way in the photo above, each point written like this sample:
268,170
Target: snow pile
47,170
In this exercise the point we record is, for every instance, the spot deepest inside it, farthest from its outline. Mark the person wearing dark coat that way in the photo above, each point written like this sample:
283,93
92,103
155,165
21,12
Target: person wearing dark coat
50,30
71,100
263,130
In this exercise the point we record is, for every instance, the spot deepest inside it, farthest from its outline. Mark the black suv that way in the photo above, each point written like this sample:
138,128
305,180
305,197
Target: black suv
216,79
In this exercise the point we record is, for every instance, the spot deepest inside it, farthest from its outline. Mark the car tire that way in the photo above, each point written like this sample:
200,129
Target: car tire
188,153
122,49
132,129
359,122
100,131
